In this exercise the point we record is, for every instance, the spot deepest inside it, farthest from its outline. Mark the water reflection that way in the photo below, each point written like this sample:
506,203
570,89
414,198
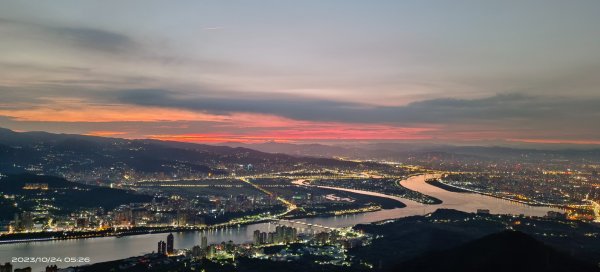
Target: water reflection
451,200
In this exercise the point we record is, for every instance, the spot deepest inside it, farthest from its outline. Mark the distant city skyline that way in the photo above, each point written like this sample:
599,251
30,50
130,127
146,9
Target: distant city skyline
467,72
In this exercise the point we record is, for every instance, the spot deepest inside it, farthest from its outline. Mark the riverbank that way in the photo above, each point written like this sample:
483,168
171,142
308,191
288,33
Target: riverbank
14,238
437,183
363,210
453,188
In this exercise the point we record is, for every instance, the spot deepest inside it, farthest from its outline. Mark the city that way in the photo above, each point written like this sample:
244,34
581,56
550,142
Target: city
277,199
342,136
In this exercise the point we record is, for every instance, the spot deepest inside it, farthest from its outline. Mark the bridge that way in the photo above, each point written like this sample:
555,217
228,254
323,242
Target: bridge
303,226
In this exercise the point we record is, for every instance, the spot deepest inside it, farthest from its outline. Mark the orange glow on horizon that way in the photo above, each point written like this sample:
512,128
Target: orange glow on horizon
73,110
236,126
556,141
317,132
105,133
178,125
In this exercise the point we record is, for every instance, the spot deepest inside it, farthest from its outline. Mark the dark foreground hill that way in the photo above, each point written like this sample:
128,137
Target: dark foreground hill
445,230
504,251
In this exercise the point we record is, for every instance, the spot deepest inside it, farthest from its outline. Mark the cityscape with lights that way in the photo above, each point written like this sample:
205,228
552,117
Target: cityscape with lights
315,211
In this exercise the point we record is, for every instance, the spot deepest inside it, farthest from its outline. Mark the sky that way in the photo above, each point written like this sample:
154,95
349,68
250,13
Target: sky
470,72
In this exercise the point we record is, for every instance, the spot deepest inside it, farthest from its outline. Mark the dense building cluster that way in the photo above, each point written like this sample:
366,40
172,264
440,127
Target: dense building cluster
282,234
162,211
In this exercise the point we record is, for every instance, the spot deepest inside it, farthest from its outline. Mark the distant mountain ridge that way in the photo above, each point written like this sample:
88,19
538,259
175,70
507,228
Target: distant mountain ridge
401,151
89,158
316,150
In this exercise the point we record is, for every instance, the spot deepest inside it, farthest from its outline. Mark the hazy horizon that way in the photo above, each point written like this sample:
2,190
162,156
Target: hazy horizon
366,145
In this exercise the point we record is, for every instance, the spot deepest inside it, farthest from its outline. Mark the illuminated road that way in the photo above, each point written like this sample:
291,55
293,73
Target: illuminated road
290,206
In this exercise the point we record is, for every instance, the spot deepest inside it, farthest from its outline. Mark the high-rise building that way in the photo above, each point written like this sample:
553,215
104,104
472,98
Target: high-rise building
204,242
256,239
282,234
23,221
162,248
270,238
263,238
170,244
294,234
196,251
278,237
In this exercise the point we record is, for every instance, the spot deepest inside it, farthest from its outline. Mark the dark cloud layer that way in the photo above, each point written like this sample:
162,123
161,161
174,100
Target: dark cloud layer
502,107
82,37
95,39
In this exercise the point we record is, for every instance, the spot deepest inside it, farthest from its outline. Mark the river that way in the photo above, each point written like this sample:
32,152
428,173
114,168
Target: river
467,202
112,248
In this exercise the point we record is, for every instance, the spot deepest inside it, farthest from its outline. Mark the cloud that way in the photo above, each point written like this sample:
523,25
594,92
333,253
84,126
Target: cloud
80,37
235,77
96,39
165,114
286,116
556,141
77,110
501,107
